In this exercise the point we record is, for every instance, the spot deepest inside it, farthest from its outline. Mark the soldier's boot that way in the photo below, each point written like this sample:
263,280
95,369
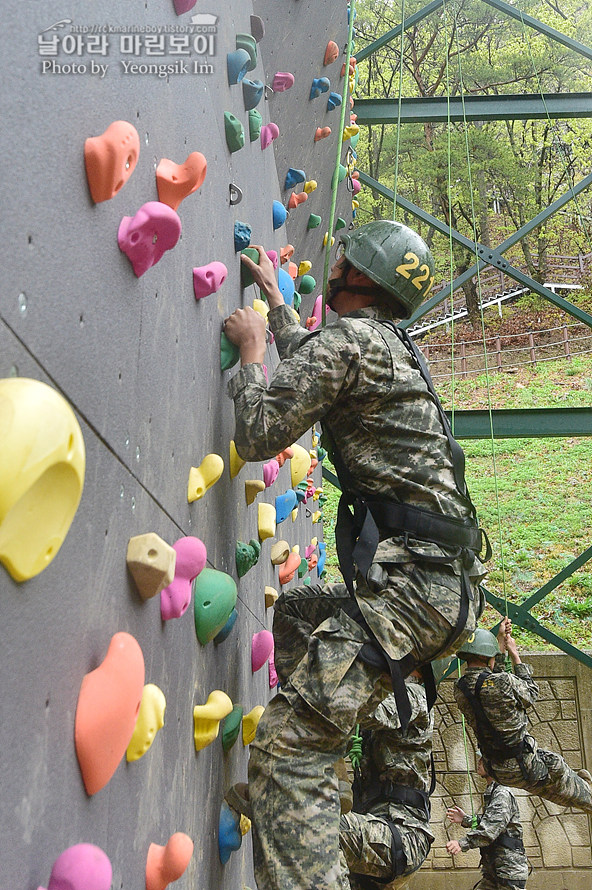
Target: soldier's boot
586,776
346,797
237,798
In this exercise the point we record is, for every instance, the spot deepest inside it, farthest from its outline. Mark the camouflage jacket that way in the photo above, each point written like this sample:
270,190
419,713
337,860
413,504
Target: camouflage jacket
505,698
500,815
400,758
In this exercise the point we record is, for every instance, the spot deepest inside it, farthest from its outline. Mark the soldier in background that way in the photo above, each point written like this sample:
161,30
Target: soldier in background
495,704
497,834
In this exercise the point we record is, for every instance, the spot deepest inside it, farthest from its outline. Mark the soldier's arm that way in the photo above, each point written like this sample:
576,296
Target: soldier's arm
493,821
303,388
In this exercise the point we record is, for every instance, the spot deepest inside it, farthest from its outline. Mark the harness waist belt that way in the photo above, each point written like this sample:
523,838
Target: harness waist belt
435,528
507,841
412,797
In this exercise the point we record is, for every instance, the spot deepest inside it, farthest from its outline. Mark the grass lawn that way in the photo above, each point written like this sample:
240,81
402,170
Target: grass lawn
536,504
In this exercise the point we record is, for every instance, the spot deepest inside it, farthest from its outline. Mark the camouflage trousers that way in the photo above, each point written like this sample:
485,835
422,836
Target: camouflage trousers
505,870
495,884
366,849
325,691
549,777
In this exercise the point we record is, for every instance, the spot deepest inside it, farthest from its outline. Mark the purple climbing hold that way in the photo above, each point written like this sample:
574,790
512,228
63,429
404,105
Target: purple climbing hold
81,867
270,472
282,81
273,256
261,649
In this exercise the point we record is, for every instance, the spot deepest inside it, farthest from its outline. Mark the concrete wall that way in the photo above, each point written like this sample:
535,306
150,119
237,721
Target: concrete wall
557,840
138,360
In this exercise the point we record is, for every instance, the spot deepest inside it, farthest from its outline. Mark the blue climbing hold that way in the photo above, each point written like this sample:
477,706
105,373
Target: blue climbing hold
284,504
322,557
252,93
222,634
242,235
286,286
293,177
229,834
237,65
279,214
334,101
300,495
319,85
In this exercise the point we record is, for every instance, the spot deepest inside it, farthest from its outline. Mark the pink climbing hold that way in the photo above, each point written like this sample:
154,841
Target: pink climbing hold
208,279
273,677
268,133
182,6
356,186
317,313
165,864
309,550
270,472
273,256
145,237
282,81
81,867
261,649
191,559
297,199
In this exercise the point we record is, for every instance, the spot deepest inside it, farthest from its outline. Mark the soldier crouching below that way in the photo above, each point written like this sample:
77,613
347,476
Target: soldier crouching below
495,704
497,833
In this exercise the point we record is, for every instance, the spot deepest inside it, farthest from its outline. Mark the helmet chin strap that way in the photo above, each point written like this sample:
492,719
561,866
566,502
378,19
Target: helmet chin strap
336,285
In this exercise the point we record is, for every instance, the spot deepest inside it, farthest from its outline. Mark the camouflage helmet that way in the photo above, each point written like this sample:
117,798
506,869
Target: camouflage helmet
482,643
395,257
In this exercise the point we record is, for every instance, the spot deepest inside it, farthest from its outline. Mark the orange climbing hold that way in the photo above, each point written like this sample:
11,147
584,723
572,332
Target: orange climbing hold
322,133
286,252
165,864
176,181
331,53
289,568
110,159
293,271
284,455
297,199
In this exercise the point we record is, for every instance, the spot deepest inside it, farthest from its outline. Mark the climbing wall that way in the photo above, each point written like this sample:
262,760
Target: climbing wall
138,359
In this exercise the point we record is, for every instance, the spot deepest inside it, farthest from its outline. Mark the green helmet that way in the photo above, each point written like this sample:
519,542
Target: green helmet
394,257
482,643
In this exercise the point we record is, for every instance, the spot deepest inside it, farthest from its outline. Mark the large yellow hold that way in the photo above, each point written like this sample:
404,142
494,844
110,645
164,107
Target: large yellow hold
150,720
299,464
42,462
206,718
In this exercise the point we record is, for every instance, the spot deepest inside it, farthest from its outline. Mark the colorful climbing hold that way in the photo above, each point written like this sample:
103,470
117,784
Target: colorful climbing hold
319,85
222,634
145,237
203,477
229,834
231,727
81,867
150,720
356,186
286,252
289,568
269,132
313,221
255,122
299,464
235,134
246,556
284,455
284,504
340,224
249,44
326,238
165,864
307,284
322,558
279,553
279,215
350,131
286,286
237,65
257,28
208,279
236,463
293,177
296,199
304,266
297,301
182,6
331,53
214,598
252,93
322,133
310,186
252,488
245,273
273,677
242,235
110,159
176,181
229,352
334,101
108,704
263,310
151,563
270,472
302,568
271,596
191,558
266,521
206,718
261,648
282,81
250,723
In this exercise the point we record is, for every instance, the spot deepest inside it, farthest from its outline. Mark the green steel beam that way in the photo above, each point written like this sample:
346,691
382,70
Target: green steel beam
520,16
474,108
396,32
490,258
522,423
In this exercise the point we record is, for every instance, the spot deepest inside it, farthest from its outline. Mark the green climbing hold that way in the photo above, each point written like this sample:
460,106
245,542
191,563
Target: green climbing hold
246,556
307,581
235,135
307,284
353,141
214,598
255,122
246,275
249,44
340,224
297,301
231,727
229,353
302,568
313,221
342,173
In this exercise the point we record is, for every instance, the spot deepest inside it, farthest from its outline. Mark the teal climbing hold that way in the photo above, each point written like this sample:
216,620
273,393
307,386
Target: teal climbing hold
313,221
229,833
300,494
293,177
249,44
255,123
231,728
229,353
222,634
237,65
342,173
353,140
279,214
235,134
252,93
246,275
242,235
246,556
306,581
319,85
302,568
297,301
321,453
340,224
214,598
334,101
307,284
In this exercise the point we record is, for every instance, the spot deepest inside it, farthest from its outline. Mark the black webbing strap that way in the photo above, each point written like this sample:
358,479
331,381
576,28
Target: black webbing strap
411,797
398,861
507,841
498,749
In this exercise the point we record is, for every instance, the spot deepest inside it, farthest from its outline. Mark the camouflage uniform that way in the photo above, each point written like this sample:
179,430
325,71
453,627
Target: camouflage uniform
397,757
356,377
506,698
502,868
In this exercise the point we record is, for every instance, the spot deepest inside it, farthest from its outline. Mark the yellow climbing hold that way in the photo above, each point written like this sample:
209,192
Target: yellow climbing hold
299,464
355,204
250,723
203,477
150,719
244,825
304,267
236,462
266,521
317,494
350,131
261,307
252,489
151,562
317,516
310,185
271,595
206,718
294,514
326,238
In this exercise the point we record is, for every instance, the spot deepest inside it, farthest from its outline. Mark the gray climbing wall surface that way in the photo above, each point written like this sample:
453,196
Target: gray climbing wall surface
138,359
